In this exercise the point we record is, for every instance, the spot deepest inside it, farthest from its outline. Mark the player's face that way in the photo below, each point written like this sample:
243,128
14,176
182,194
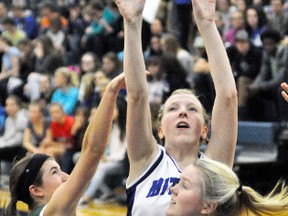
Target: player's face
183,120
186,197
52,178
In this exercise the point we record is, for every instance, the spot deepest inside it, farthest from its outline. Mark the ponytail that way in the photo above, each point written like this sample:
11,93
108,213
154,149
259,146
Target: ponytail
222,186
272,204
11,208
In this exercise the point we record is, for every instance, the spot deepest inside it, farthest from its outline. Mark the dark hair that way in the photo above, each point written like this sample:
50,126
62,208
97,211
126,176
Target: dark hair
262,18
113,57
97,5
47,44
122,109
49,5
174,72
25,42
8,21
25,172
6,40
271,34
84,111
56,22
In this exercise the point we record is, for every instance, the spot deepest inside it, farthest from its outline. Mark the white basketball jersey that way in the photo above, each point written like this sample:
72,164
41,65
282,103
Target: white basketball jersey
149,195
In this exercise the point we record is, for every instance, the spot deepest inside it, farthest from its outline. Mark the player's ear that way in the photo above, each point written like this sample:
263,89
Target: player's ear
209,208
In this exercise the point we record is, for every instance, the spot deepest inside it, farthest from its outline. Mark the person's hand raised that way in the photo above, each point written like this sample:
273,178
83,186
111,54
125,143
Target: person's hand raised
204,10
130,9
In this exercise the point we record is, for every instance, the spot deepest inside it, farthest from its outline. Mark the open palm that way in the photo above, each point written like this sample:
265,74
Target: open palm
130,8
204,9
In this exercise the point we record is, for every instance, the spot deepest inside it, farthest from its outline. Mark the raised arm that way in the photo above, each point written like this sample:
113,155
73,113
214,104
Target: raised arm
65,199
142,146
224,115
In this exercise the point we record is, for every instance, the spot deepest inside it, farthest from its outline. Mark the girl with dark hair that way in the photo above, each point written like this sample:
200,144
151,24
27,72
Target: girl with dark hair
47,60
38,180
256,23
35,133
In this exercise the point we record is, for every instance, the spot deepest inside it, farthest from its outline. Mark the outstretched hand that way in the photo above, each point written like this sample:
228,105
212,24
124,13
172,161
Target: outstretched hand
117,83
204,10
284,86
130,8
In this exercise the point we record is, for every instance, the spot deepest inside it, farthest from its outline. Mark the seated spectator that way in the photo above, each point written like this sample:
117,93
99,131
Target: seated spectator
11,141
111,65
48,12
157,84
88,67
154,48
75,31
171,46
273,72
47,60
25,21
3,15
58,36
104,17
46,91
66,92
95,91
256,22
35,133
278,19
27,65
11,32
202,81
237,22
175,75
77,131
9,69
60,136
224,8
245,60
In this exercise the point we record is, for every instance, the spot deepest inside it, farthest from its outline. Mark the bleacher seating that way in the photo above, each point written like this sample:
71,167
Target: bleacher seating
257,142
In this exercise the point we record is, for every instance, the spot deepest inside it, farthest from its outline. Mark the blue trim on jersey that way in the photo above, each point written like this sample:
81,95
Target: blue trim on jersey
174,163
131,191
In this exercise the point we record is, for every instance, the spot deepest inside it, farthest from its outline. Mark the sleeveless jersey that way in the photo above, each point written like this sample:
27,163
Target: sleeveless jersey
39,211
149,195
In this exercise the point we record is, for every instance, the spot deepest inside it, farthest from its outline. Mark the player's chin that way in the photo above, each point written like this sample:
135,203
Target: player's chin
170,210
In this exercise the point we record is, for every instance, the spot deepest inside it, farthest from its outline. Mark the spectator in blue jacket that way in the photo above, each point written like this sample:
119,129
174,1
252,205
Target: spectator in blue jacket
25,21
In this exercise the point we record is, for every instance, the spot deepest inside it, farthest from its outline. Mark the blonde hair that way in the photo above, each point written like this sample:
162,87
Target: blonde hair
70,77
222,186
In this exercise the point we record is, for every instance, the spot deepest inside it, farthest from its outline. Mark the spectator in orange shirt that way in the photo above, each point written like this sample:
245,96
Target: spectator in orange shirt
48,12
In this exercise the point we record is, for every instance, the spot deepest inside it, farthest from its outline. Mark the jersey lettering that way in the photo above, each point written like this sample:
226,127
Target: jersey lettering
162,185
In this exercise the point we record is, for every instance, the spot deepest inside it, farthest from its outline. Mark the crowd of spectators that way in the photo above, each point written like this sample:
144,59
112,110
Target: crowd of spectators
58,56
